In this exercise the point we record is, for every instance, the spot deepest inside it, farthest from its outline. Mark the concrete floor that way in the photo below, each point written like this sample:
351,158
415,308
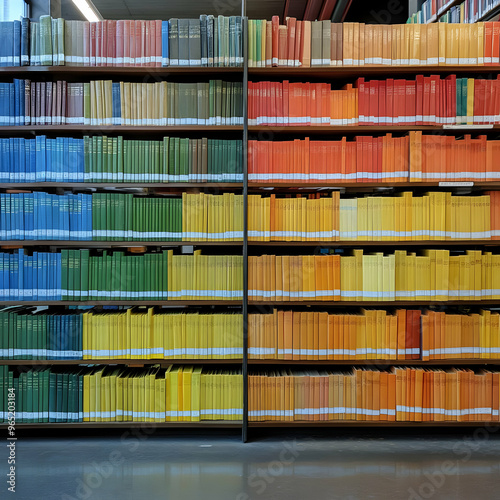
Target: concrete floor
282,467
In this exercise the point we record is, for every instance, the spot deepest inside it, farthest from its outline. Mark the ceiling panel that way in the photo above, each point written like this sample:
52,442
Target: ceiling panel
161,9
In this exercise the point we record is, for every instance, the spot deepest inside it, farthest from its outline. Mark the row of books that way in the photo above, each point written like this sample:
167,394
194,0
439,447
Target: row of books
103,102
207,41
468,11
434,216
121,217
432,275
100,394
401,394
415,157
374,334
323,43
113,159
120,335
427,100
76,275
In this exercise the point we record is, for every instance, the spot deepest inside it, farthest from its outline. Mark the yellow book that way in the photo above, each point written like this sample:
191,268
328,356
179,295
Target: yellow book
415,43
480,42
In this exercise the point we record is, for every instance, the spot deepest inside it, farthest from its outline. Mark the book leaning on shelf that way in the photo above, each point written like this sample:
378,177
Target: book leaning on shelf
106,103
111,394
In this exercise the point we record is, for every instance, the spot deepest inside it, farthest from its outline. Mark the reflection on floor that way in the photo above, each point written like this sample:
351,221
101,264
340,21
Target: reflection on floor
284,466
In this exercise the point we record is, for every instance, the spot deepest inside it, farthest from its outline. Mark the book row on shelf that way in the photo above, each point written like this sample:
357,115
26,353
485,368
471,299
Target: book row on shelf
434,216
78,276
438,216
449,11
121,217
99,394
131,334
401,394
432,276
323,43
374,335
135,334
427,100
113,159
217,42
412,158
103,102
206,41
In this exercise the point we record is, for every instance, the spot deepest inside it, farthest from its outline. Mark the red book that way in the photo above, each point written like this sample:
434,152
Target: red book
478,107
273,108
488,34
120,42
291,25
382,109
389,100
363,110
86,43
93,28
452,99
419,100
306,97
433,104
144,54
158,43
137,55
152,43
426,106
373,105
410,102
112,43
275,22
128,42
104,43
495,42
298,43
379,155
280,106
285,102
98,43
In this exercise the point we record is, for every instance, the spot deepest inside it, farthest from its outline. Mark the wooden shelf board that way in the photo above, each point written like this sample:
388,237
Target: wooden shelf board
374,362
125,302
48,362
100,244
381,303
125,425
367,423
340,244
337,72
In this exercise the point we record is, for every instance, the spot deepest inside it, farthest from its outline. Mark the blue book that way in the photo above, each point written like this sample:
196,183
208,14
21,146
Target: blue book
65,168
42,295
41,158
22,102
45,276
21,160
34,270
6,43
16,52
88,237
4,281
58,276
117,110
49,174
25,47
51,337
3,214
12,104
28,278
4,160
164,44
31,154
4,104
20,274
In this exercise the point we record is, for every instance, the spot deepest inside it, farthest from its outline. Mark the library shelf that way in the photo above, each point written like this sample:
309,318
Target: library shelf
445,8
371,303
129,362
340,72
305,185
94,71
81,186
126,425
377,243
359,129
125,302
118,244
377,363
116,129
370,423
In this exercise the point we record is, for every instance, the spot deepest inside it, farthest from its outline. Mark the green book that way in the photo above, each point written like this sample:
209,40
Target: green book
184,160
119,159
36,417
45,28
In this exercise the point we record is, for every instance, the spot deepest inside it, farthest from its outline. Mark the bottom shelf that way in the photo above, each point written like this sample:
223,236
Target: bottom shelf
126,425
369,423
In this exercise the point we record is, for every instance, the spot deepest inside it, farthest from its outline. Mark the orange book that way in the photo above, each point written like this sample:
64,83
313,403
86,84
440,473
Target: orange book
298,44
296,335
269,44
291,28
305,47
275,22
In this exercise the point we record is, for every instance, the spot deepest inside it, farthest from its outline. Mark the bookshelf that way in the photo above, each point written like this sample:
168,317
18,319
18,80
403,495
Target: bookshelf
245,306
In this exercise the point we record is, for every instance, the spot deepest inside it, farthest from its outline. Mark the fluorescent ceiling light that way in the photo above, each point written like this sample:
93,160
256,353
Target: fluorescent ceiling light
87,8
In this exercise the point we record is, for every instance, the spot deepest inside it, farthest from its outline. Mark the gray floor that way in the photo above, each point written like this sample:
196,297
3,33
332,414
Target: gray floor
283,467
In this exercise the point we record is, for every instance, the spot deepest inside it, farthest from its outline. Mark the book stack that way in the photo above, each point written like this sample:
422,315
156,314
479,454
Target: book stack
432,275
323,43
434,216
403,394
